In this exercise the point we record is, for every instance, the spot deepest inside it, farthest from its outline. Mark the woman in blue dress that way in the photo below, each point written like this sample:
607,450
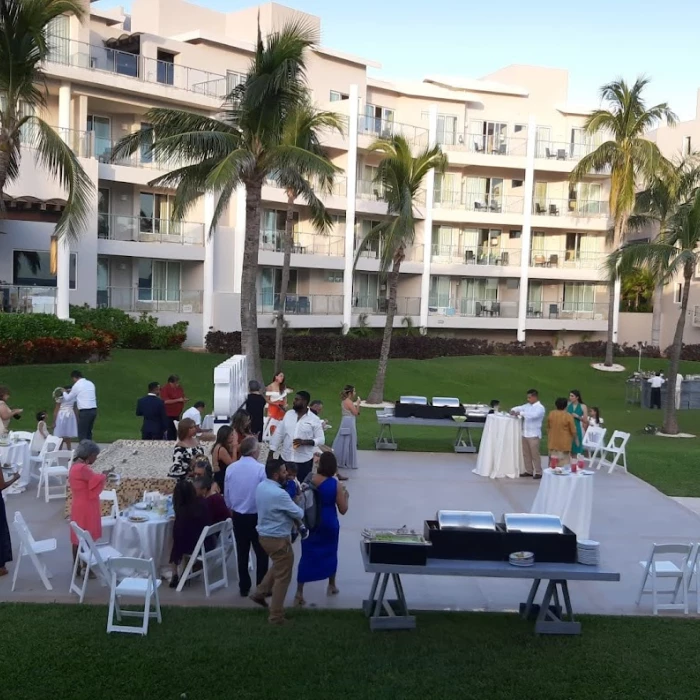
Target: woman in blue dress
319,551
579,412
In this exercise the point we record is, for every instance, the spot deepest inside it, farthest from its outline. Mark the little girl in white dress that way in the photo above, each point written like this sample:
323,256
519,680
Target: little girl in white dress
66,424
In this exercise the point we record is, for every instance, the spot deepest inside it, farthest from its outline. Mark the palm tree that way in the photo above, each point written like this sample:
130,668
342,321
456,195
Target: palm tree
311,171
637,289
241,145
632,159
674,252
401,176
24,46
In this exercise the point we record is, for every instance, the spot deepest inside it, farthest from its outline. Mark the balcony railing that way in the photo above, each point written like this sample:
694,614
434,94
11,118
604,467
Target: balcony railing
570,207
455,306
368,189
304,243
147,230
567,310
484,144
385,129
405,306
138,299
68,52
301,304
562,150
486,203
339,188
475,255
80,142
412,254
570,259
27,300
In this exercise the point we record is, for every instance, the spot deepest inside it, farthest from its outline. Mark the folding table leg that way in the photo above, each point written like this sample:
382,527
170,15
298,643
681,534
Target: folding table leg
368,605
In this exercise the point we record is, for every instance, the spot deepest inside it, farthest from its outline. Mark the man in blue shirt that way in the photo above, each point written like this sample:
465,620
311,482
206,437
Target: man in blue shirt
276,515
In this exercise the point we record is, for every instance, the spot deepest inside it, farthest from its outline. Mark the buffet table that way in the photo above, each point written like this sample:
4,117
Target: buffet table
570,496
463,440
393,614
500,450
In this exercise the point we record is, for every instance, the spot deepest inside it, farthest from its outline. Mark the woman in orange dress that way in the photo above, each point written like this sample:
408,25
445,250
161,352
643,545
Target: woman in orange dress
86,487
276,401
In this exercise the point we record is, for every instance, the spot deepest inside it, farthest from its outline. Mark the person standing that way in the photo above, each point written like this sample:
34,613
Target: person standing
5,541
298,435
240,484
85,397
174,398
345,443
152,408
679,388
656,382
255,406
64,418
579,411
7,413
561,432
532,413
277,514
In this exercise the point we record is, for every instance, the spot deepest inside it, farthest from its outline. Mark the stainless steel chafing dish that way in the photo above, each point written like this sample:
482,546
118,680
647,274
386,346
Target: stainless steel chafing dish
421,400
446,401
466,520
533,522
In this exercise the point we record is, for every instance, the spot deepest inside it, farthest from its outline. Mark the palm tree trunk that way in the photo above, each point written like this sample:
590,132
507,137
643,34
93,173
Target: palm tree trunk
284,284
610,344
376,395
670,426
4,166
249,307
656,316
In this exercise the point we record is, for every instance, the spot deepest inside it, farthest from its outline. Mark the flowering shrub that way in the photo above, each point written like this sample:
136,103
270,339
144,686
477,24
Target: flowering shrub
52,350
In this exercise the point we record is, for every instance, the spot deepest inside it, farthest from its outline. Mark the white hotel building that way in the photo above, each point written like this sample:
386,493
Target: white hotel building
505,248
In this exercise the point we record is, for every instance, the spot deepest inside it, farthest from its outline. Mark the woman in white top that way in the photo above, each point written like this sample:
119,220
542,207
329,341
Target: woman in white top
64,417
6,413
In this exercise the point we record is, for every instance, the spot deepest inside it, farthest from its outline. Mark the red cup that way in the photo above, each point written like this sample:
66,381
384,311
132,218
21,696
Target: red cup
553,462
574,466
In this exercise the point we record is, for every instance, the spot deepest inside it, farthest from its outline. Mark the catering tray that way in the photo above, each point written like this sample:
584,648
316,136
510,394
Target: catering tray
559,548
414,410
466,544
405,554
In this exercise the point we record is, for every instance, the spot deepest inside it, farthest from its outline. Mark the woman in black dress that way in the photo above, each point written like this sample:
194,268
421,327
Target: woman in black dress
222,453
5,541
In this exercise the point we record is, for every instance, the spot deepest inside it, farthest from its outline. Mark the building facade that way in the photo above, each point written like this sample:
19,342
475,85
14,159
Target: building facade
505,246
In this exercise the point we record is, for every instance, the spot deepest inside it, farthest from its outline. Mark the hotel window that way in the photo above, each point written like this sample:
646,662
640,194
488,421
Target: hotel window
687,146
334,276
32,268
678,294
154,214
579,296
159,280
233,80
338,96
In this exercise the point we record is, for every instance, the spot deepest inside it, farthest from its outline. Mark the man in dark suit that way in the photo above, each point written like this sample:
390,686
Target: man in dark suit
152,409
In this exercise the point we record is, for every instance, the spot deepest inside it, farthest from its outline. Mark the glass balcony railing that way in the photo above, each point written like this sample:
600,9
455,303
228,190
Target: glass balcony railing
456,306
485,203
138,299
405,306
149,230
339,188
577,311
483,143
570,207
301,304
378,128
304,243
571,259
80,142
370,190
412,254
475,255
68,52
561,150
27,299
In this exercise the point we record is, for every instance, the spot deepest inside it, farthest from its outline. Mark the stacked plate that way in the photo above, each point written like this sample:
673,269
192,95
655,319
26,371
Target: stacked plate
522,558
588,552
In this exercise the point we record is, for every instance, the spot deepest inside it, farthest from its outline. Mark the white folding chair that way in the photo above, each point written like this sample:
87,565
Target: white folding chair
109,522
593,443
51,445
210,559
677,571
616,447
93,557
29,547
144,586
56,464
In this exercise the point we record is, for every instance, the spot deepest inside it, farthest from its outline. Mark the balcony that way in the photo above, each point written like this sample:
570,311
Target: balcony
483,203
77,54
135,299
413,253
483,144
302,304
591,208
473,255
370,190
27,300
476,308
565,310
567,259
377,128
562,150
80,142
304,243
339,188
146,230
405,306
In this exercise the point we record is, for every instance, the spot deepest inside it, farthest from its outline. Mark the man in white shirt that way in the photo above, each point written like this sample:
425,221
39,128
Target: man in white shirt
532,413
85,397
657,381
195,413
298,435
679,388
240,483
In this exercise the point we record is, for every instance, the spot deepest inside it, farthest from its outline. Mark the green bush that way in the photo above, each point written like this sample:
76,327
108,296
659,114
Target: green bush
20,327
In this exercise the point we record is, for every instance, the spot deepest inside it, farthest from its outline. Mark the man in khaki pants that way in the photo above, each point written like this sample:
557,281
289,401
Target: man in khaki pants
276,516
532,413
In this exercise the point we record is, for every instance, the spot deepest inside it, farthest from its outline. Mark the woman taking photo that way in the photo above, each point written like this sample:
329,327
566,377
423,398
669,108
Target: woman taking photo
7,413
5,541
579,411
186,448
222,454
319,551
345,443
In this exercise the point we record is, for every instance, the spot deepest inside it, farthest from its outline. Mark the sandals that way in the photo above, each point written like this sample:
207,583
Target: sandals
299,601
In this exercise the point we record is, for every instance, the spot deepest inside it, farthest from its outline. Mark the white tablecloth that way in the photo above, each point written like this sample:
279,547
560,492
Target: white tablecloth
208,422
152,539
500,450
23,463
570,496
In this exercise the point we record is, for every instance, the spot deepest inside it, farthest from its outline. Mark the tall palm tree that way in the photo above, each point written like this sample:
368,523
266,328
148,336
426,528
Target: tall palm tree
310,172
401,176
632,160
24,46
241,145
674,252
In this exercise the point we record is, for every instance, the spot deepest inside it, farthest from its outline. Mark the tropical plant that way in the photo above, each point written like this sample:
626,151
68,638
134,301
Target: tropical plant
401,176
632,159
673,253
24,45
310,171
637,290
240,146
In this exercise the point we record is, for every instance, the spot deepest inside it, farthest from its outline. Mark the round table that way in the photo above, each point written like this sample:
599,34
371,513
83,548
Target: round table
151,539
22,458
500,450
570,496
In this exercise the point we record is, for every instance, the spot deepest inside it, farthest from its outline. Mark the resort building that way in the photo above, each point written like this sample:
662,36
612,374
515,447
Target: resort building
505,248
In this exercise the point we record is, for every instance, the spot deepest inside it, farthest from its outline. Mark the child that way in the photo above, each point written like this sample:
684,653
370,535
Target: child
594,418
65,423
495,406
293,488
255,405
561,432
42,431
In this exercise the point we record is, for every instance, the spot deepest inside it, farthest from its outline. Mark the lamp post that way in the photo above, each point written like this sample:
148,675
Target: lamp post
642,345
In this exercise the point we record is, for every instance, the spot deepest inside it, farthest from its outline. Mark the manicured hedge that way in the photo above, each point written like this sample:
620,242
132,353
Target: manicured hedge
339,348
596,348
688,352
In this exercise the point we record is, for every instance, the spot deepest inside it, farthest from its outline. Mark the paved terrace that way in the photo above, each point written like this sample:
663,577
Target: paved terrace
404,488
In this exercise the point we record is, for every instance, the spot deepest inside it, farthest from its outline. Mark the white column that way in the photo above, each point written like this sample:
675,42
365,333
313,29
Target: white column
63,247
428,225
526,234
209,252
616,313
351,193
239,239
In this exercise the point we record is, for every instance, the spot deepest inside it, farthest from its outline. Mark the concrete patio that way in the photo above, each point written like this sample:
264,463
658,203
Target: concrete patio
402,488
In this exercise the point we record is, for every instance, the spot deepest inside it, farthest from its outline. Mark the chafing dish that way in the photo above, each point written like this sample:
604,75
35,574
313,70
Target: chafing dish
466,520
445,401
422,400
533,523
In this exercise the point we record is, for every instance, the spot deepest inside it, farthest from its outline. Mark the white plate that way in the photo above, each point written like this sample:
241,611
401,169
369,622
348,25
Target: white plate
588,544
587,471
141,506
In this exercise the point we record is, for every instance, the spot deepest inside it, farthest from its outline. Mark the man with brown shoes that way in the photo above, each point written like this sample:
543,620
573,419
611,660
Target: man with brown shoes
532,413
277,514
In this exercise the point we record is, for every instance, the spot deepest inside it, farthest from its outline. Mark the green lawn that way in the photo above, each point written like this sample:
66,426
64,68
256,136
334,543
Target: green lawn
671,465
59,651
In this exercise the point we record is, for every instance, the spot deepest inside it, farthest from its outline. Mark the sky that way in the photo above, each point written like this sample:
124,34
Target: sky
597,41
